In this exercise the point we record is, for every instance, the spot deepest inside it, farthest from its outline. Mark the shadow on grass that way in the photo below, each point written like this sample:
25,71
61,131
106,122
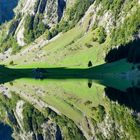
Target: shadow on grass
130,51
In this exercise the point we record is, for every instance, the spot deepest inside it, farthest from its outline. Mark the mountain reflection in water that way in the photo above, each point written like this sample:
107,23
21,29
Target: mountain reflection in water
5,132
118,88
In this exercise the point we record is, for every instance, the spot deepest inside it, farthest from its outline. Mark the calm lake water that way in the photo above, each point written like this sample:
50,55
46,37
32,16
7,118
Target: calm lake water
5,132
67,102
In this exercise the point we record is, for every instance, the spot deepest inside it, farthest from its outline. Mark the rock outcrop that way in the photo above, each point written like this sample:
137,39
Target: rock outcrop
49,12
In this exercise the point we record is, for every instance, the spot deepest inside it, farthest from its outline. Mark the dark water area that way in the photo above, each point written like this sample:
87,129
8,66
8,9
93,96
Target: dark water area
7,10
5,132
130,98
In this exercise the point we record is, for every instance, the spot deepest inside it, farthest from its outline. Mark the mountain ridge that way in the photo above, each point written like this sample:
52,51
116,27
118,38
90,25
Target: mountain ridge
66,34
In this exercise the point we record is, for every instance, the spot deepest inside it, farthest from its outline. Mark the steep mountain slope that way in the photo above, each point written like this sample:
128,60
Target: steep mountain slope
38,14
33,18
107,25
71,33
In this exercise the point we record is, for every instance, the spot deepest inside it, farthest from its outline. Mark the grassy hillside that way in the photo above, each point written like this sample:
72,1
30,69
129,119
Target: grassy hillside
81,99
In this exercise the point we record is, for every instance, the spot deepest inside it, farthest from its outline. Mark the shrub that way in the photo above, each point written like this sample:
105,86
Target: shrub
48,34
99,113
99,34
10,42
34,27
88,45
11,62
54,32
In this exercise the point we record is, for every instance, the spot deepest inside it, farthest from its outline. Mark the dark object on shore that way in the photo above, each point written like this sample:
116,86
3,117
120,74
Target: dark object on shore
89,64
38,73
89,83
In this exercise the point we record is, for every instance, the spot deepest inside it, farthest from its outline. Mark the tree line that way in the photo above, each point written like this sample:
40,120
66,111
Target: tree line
130,51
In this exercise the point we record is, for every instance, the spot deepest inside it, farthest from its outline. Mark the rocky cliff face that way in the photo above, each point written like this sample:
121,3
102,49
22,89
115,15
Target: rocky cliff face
28,123
40,15
51,10
45,12
106,23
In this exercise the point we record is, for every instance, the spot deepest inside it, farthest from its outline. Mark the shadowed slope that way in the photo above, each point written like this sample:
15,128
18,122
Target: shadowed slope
6,10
